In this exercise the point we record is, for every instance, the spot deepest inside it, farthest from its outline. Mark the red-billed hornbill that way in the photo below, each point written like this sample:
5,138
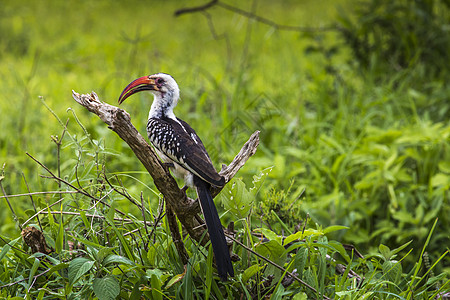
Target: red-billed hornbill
178,145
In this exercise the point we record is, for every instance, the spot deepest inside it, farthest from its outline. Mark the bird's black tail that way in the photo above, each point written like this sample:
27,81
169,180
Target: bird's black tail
215,230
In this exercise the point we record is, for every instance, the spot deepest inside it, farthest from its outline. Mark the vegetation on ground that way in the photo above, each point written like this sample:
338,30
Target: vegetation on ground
349,190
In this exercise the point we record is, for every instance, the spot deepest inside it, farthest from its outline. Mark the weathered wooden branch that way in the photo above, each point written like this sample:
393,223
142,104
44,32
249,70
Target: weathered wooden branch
185,208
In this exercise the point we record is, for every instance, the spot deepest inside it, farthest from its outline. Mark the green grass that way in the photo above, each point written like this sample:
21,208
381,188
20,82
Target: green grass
346,146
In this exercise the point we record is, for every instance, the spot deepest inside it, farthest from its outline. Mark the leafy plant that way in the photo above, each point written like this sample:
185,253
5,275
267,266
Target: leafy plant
399,34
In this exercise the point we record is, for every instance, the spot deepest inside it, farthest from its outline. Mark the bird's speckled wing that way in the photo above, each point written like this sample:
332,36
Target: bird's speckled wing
177,140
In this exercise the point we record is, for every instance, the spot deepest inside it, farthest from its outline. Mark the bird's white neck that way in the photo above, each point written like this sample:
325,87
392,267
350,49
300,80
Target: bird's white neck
163,105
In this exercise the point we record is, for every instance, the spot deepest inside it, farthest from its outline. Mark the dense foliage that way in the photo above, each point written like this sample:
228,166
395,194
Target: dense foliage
348,155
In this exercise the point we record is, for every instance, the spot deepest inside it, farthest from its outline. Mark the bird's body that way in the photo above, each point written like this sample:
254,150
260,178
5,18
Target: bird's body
179,145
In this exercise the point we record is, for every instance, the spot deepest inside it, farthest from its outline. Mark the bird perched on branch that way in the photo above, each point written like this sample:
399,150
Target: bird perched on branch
179,146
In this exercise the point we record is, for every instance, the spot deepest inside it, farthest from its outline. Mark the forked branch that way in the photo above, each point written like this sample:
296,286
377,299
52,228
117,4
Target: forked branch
185,208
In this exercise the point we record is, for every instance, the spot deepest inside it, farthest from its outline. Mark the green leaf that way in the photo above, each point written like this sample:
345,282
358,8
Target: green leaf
272,250
59,243
300,296
113,258
78,267
292,237
8,246
340,249
237,199
269,234
106,288
102,253
156,286
250,272
35,266
209,275
392,270
439,179
258,180
300,260
385,251
396,250
334,228
173,280
57,268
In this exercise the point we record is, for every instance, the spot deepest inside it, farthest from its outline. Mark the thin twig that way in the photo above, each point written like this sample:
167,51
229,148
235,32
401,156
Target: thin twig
6,197
71,213
58,143
81,191
19,281
276,266
32,202
251,15
12,246
145,223
40,193
196,8
161,215
33,216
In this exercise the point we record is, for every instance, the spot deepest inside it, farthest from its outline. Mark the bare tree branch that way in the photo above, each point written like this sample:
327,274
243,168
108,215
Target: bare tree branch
250,15
185,208
195,8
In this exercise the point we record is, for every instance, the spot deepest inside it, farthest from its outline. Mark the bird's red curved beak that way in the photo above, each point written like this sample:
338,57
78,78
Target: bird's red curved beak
140,84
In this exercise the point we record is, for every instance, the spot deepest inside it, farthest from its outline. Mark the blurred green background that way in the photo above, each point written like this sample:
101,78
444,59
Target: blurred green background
363,133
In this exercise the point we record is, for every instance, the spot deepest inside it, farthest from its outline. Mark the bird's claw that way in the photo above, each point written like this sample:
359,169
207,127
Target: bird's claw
168,165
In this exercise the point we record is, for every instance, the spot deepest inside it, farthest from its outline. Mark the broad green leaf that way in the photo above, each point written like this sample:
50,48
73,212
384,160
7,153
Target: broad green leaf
156,283
35,266
292,237
338,246
269,234
249,272
57,268
272,250
278,293
258,180
385,251
113,258
392,270
440,179
103,252
174,279
300,296
78,267
334,228
106,288
8,246
237,199
300,260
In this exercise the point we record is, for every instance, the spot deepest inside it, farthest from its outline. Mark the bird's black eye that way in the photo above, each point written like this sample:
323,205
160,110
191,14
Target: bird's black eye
159,82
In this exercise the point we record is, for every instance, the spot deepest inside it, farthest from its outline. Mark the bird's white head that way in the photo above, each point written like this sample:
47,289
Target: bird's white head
162,86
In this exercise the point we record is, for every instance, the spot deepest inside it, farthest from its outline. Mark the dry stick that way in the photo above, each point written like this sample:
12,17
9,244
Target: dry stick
276,265
184,207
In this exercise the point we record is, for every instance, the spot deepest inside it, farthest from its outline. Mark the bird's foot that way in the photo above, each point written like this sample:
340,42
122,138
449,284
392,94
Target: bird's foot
184,189
167,166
